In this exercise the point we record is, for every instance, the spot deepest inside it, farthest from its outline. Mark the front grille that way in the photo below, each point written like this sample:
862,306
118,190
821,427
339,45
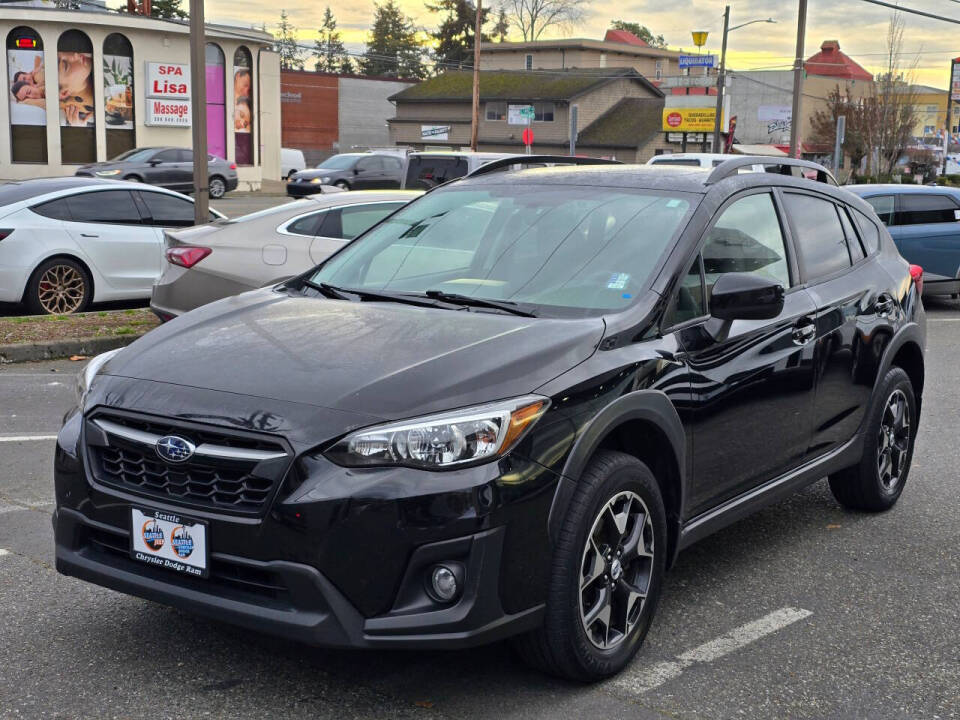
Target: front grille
232,485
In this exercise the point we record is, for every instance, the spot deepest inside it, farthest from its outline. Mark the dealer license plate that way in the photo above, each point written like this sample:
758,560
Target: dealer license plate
169,541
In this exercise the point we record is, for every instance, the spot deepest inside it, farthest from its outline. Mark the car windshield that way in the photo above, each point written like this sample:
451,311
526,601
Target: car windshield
575,249
134,155
338,162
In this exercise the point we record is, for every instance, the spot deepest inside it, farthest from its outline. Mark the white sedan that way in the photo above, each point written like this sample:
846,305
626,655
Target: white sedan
67,242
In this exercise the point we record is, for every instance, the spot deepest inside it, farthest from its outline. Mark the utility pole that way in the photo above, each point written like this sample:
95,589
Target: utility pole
946,143
798,82
198,114
474,125
721,81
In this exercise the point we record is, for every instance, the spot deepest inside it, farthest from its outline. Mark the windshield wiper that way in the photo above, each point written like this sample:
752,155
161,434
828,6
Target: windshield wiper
470,301
339,293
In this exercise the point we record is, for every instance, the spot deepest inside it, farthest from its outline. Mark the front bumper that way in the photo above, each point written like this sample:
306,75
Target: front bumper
332,561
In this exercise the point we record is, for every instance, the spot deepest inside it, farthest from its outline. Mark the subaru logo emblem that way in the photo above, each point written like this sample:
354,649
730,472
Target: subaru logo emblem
175,449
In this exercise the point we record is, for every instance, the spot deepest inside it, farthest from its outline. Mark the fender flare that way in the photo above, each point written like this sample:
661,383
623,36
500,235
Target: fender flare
651,406
911,332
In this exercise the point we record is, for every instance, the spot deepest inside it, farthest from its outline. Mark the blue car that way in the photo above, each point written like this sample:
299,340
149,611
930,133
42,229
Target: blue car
924,221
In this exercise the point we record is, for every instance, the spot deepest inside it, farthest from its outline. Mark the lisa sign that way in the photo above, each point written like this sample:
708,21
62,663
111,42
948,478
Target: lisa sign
167,94
168,80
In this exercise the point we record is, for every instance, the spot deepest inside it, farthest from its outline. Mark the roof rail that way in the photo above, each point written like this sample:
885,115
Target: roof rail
771,164
507,162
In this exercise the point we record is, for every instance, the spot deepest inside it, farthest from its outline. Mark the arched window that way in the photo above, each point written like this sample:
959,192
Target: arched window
216,102
243,106
78,142
118,94
28,99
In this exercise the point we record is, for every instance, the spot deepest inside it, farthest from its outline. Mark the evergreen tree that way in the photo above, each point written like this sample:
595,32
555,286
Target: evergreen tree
455,36
393,48
347,67
502,26
285,45
163,9
328,50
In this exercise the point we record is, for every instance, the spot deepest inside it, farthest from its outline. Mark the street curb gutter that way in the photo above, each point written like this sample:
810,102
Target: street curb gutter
54,349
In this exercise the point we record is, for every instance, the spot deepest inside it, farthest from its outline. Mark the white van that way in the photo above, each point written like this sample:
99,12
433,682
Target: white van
291,161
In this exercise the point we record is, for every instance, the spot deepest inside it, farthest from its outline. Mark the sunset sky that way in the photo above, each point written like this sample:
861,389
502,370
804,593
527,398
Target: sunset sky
860,27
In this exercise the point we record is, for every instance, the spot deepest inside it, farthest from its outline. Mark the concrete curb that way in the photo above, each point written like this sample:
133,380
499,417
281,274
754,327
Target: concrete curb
54,349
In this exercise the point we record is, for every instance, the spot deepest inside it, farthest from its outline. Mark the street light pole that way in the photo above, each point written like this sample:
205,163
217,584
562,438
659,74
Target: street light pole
721,81
198,114
475,122
798,82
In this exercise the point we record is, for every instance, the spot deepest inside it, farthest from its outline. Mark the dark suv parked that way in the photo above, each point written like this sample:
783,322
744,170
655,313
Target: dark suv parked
502,411
168,167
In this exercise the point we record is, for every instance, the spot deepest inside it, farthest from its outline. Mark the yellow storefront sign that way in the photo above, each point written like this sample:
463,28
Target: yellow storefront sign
689,119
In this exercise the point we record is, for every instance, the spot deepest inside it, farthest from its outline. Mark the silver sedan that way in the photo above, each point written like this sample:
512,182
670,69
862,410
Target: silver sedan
227,257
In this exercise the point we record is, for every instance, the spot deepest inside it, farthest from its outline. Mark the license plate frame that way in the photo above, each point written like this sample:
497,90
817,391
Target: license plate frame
170,540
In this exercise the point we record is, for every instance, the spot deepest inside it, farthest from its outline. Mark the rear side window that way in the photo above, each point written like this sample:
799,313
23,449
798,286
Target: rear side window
853,242
168,210
924,209
360,218
869,232
882,205
424,173
307,225
57,209
821,241
747,238
108,206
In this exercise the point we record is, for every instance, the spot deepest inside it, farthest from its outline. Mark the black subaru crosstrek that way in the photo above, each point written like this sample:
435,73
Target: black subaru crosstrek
502,411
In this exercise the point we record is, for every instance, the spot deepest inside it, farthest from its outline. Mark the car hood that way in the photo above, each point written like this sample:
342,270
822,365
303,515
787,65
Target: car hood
318,172
383,360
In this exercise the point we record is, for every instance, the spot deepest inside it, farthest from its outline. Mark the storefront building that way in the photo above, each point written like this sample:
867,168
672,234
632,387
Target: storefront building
86,86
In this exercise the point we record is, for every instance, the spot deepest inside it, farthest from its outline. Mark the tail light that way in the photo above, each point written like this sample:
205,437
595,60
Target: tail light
4,232
916,272
187,255
233,166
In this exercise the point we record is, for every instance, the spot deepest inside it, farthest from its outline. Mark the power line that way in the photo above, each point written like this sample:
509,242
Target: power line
923,13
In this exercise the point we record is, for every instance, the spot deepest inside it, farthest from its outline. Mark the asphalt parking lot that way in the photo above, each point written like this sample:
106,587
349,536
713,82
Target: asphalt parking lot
802,611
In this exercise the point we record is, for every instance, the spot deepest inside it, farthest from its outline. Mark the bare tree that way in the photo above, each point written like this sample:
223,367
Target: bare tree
532,17
858,114
892,105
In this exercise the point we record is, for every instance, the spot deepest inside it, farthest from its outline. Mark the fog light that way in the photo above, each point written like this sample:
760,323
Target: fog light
443,582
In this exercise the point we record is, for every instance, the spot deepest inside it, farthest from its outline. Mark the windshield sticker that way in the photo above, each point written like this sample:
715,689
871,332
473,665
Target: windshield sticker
673,203
618,281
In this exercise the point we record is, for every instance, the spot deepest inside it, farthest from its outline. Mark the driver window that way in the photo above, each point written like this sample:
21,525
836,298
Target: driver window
688,303
166,156
747,238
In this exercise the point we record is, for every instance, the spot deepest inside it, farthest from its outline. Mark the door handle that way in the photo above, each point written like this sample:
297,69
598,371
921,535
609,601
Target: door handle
884,304
88,235
804,332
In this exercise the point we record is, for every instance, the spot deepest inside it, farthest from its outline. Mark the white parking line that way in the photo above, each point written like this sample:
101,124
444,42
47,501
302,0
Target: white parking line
4,552
652,677
26,438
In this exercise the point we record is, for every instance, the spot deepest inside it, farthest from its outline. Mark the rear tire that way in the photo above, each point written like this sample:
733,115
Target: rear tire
876,482
217,187
607,573
59,286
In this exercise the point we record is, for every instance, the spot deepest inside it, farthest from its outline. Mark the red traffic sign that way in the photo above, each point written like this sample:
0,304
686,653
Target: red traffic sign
674,119
527,136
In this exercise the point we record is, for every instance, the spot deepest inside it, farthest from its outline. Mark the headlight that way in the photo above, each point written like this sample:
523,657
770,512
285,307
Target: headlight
104,173
316,181
436,442
89,372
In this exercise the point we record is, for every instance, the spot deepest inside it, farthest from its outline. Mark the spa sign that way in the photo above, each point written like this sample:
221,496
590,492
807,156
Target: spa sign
167,94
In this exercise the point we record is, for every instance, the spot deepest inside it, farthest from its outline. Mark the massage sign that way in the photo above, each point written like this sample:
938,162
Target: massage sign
168,94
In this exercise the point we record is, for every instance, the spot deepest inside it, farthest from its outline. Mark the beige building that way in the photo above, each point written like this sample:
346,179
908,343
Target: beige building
83,86
618,112
650,62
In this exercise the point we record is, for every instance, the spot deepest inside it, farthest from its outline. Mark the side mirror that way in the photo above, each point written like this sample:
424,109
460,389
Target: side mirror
154,163
357,171
742,296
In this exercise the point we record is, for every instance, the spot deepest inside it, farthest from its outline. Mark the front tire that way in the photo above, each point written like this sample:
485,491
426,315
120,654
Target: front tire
607,573
59,287
342,184
877,481
217,187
